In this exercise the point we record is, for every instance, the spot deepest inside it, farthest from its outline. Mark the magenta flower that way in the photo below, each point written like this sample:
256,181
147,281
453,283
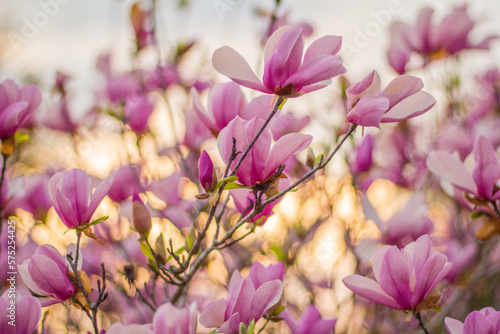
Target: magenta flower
309,322
225,102
485,321
137,110
262,161
243,200
26,312
208,176
71,194
432,41
460,257
170,319
260,274
30,194
285,72
404,277
363,161
16,106
46,274
402,99
246,302
126,182
484,182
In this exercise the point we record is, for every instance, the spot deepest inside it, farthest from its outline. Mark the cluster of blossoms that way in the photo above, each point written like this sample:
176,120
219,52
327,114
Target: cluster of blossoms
155,245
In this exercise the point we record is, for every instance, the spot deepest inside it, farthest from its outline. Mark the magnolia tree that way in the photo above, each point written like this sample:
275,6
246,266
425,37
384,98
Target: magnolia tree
237,226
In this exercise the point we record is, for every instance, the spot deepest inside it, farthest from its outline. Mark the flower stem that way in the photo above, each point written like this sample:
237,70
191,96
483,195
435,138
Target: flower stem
421,323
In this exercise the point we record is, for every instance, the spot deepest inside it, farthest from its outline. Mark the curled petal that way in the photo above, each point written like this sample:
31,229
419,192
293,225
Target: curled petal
326,45
369,289
368,111
412,106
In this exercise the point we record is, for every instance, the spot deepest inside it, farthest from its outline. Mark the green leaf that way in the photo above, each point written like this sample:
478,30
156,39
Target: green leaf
177,252
251,327
234,185
278,311
319,158
146,251
476,214
243,329
97,221
21,137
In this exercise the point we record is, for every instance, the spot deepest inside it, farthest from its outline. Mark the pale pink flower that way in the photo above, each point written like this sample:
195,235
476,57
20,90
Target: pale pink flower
485,321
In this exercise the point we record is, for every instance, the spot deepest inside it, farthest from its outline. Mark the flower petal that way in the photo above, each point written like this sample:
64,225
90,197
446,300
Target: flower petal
318,69
369,289
476,322
401,88
370,85
453,326
486,171
326,45
230,63
395,277
449,168
98,195
412,106
285,147
265,297
368,111
213,315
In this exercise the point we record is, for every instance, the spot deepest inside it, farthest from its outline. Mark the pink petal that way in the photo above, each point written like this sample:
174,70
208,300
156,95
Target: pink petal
476,322
429,275
98,195
77,187
12,118
265,297
285,147
368,111
453,326
449,168
47,276
27,279
401,88
53,254
213,315
285,59
424,29
273,41
29,312
377,260
201,111
412,106
230,63
395,277
369,289
259,152
31,94
318,69
258,107
486,171
323,326
225,102
65,210
326,45
370,85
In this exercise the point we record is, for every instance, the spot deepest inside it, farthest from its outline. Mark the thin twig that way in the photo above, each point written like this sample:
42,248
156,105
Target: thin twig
421,323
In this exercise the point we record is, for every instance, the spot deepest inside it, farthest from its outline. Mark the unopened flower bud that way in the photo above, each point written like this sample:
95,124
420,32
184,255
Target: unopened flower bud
208,176
8,145
363,160
140,215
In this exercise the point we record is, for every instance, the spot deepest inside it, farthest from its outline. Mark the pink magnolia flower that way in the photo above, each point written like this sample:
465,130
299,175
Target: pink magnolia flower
246,302
170,319
485,321
432,41
26,312
285,72
244,199
460,256
404,277
262,161
225,102
402,99
46,274
30,194
126,182
196,131
309,322
136,113
259,274
363,160
16,106
484,182
71,194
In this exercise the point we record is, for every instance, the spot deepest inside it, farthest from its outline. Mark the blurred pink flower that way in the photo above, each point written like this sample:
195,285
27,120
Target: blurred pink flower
484,180
46,274
16,106
118,328
170,319
30,194
136,112
402,99
196,131
485,321
405,277
309,322
363,160
126,182
71,194
247,301
285,72
432,41
26,313
460,256
262,161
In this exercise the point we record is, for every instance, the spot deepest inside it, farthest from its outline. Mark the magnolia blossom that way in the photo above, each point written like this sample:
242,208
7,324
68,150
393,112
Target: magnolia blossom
46,274
483,183
485,321
461,256
206,171
402,99
30,194
432,41
71,194
285,72
136,113
126,182
16,106
262,161
170,319
247,300
309,322
404,277
363,160
26,312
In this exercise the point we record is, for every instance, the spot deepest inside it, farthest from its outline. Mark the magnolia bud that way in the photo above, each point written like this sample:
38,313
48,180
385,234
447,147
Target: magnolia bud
311,158
363,160
208,176
140,216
